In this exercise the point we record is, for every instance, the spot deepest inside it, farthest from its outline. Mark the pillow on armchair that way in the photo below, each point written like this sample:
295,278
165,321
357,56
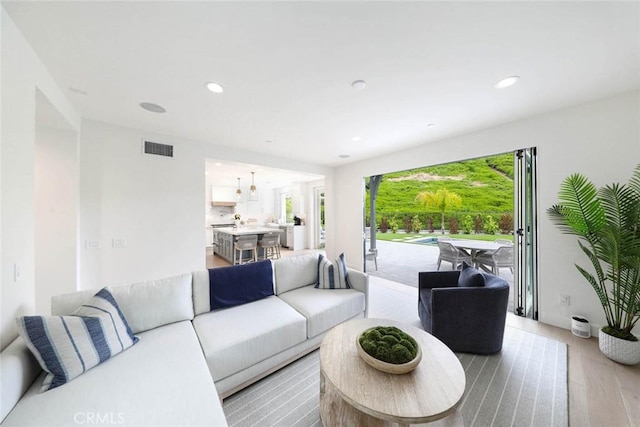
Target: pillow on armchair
470,277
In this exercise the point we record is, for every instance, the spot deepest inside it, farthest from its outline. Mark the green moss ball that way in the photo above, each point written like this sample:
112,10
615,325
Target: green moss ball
389,344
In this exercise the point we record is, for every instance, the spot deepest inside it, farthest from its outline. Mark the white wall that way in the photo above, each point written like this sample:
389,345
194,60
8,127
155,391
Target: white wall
599,139
155,203
56,215
21,74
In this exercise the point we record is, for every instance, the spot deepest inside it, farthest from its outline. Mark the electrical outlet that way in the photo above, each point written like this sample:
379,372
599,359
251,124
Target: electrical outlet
119,242
565,299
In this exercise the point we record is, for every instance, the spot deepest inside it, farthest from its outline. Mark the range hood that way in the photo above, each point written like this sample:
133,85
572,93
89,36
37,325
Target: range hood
220,203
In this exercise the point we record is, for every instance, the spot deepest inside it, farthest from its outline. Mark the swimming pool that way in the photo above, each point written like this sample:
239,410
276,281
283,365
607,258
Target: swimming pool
426,241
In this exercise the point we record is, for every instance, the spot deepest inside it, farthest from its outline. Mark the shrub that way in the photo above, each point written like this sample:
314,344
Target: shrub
408,226
430,224
416,224
490,225
506,223
453,225
393,225
384,225
477,224
389,344
467,224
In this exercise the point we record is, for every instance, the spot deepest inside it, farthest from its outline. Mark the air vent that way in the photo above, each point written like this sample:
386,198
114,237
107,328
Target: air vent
158,149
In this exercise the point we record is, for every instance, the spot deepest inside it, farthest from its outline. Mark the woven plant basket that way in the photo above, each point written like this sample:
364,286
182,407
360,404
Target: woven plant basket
619,350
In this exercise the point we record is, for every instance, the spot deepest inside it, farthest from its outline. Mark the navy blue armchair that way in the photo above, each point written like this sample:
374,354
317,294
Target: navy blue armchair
466,309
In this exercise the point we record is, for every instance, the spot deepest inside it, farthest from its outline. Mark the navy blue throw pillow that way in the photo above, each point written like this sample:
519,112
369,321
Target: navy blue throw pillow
470,277
240,284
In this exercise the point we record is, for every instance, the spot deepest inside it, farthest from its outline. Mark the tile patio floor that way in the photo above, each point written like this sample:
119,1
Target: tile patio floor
400,262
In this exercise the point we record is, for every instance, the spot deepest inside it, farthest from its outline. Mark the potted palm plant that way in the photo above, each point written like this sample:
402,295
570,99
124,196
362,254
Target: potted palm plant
607,224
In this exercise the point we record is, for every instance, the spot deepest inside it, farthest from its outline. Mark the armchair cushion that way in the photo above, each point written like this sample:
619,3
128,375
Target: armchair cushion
470,277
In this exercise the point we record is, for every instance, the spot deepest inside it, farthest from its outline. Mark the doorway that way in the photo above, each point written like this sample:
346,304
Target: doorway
319,214
498,205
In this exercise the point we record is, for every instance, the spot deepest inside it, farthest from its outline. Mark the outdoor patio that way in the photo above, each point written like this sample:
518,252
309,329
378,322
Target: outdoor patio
401,262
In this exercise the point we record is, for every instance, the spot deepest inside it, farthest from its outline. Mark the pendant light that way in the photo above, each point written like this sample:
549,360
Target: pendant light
238,191
253,194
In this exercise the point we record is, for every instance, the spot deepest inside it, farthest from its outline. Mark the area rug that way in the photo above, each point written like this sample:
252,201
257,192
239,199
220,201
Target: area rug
524,384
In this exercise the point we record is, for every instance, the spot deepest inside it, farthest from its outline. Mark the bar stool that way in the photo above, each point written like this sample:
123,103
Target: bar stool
245,243
270,244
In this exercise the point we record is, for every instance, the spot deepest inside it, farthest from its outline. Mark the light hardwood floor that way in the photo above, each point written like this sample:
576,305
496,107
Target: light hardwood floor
601,392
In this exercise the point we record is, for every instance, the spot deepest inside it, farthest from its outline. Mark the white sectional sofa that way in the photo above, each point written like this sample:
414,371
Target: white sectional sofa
188,357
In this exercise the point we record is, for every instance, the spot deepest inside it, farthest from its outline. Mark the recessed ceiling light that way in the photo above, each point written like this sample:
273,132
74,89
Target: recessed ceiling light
214,87
359,84
356,138
218,164
507,82
154,108
344,156
430,125
268,141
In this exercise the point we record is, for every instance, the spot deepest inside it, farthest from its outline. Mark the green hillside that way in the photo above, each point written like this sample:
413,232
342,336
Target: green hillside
485,186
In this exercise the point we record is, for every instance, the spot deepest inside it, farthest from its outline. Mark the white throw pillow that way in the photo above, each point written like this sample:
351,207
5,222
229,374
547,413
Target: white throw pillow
332,276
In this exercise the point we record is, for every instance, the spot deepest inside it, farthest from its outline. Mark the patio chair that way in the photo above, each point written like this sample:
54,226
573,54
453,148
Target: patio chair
504,242
492,262
451,254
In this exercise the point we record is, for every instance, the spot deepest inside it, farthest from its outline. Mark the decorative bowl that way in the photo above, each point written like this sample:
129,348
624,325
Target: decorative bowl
389,368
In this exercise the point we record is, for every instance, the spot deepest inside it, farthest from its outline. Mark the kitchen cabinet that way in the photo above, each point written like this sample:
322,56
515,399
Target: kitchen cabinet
295,237
221,193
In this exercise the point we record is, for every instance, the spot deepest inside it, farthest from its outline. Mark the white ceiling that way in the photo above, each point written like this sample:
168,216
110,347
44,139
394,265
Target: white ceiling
226,174
287,67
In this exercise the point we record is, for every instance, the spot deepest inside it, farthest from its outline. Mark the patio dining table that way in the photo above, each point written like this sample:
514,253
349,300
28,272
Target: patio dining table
475,247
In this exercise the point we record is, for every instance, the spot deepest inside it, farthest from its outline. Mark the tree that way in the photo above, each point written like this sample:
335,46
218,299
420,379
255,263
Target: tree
441,201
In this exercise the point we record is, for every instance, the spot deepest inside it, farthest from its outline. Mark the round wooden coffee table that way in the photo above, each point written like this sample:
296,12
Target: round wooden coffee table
353,393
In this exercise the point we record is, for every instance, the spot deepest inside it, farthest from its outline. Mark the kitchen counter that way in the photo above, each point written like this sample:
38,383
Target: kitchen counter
244,231
224,238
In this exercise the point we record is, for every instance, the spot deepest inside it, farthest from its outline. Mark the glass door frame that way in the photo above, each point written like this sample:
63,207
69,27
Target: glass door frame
525,233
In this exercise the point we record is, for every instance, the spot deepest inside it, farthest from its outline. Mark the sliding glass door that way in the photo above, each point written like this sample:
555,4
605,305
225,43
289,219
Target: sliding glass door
526,259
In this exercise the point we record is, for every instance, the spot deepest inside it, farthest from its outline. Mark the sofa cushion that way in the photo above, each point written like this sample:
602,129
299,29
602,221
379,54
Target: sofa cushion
240,284
68,346
295,272
163,381
238,337
325,308
146,305
332,276
470,277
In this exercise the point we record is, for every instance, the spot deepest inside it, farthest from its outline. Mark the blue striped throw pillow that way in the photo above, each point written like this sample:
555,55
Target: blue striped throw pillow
332,276
68,346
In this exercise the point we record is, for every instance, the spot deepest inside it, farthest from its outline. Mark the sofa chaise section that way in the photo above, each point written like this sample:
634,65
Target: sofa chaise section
163,380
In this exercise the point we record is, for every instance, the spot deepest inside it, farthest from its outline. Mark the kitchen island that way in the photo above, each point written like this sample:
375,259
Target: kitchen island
224,238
